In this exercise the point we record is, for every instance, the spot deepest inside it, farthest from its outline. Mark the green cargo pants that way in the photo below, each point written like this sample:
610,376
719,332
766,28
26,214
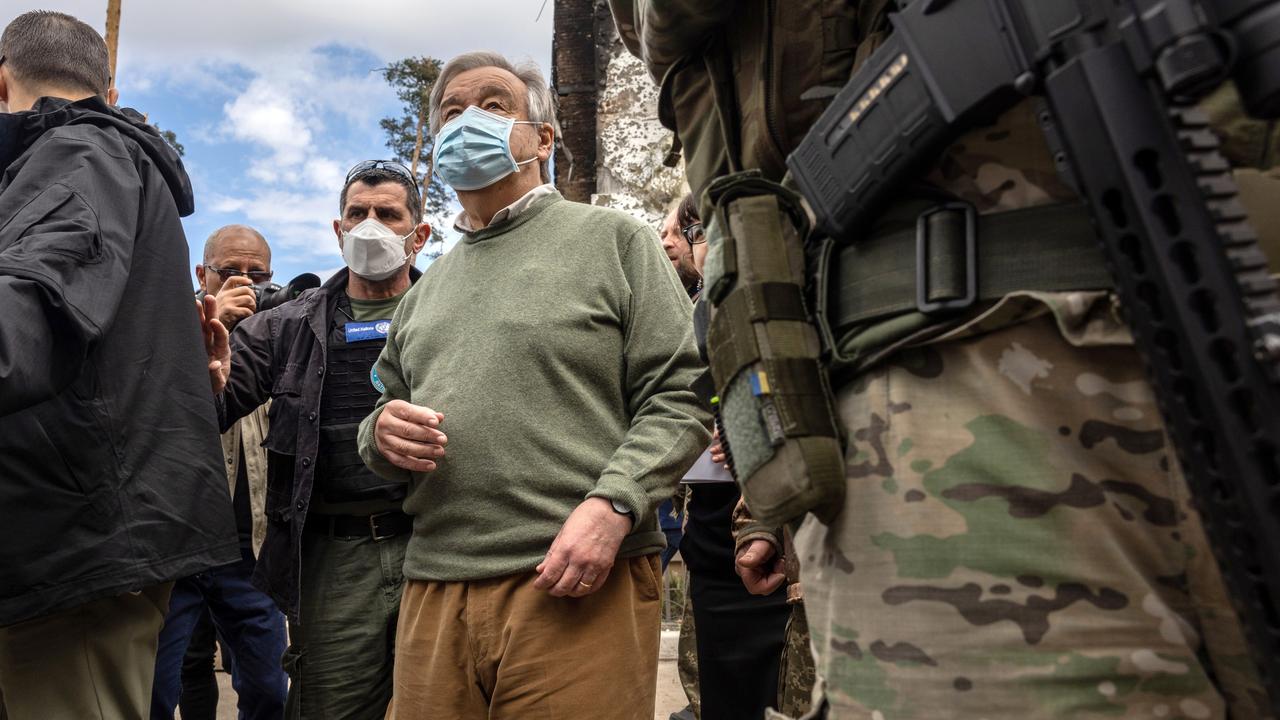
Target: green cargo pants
339,658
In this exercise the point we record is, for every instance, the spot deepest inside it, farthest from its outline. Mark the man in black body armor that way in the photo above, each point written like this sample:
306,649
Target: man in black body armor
336,535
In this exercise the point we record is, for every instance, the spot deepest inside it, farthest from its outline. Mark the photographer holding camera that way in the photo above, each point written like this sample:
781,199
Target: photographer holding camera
237,265
236,268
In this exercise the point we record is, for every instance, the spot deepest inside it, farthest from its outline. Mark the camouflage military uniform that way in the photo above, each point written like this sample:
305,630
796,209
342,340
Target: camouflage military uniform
1017,540
687,651
795,673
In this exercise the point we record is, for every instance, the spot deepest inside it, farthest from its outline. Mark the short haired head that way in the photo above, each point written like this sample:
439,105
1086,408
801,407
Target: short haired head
540,104
45,49
237,248
377,176
215,238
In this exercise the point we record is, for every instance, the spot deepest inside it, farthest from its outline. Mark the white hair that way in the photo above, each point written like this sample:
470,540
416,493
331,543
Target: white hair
542,104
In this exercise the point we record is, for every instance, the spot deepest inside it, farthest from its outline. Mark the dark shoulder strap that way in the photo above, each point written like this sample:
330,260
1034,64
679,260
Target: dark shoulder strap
873,26
719,61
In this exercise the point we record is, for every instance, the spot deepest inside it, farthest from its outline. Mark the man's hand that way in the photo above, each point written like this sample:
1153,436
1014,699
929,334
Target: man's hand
236,301
580,557
759,575
717,450
408,436
216,344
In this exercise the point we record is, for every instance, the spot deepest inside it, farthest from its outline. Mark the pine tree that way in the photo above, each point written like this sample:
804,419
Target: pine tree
408,136
172,138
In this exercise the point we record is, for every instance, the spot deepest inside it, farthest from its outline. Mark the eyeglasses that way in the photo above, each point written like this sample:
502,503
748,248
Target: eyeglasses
391,166
257,276
693,233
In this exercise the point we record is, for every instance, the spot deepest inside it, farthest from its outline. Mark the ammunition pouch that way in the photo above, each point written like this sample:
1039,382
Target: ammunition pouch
775,406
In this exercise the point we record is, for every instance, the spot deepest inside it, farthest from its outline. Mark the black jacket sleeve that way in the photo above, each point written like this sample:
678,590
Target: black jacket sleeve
252,368
66,243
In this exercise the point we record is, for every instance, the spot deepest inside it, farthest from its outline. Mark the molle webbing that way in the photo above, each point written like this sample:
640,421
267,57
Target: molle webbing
731,330
776,406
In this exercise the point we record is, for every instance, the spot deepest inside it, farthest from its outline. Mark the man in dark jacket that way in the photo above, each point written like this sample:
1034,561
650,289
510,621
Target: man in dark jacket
111,483
336,535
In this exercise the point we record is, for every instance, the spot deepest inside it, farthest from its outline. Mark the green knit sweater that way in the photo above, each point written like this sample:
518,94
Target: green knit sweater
559,347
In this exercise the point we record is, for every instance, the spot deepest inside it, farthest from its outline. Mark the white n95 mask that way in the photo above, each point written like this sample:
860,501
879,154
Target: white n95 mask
374,251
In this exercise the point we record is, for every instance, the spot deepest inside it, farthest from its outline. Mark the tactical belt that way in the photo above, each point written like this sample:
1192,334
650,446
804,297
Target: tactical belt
377,527
951,258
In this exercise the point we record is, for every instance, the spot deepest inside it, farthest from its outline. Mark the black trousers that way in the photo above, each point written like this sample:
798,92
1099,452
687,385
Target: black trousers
199,699
739,635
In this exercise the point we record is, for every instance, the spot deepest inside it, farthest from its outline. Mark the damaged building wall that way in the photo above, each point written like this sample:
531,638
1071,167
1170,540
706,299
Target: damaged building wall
626,144
630,142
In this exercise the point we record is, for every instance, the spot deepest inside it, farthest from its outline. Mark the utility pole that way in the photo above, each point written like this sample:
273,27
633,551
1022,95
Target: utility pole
113,34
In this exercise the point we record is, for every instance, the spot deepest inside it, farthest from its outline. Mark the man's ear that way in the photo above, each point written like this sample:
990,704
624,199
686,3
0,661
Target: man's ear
337,230
200,275
113,95
420,237
546,141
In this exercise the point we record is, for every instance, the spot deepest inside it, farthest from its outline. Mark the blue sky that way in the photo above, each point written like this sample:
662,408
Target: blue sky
274,100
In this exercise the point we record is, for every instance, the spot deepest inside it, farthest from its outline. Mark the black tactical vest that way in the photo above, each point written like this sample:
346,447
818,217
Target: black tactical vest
348,397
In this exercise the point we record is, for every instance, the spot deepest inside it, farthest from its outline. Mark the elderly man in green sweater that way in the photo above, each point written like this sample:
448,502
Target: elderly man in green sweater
536,395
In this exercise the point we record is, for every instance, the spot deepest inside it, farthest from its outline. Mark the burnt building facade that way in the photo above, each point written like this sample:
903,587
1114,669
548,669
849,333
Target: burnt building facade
613,145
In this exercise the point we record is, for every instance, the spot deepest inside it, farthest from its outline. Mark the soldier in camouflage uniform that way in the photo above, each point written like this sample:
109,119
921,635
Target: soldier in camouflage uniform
795,674
687,658
1017,539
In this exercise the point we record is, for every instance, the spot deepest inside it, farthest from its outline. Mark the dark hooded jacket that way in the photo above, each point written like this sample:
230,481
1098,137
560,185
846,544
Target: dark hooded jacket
111,474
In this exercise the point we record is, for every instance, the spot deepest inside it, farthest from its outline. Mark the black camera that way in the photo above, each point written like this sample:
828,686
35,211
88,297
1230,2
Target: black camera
271,294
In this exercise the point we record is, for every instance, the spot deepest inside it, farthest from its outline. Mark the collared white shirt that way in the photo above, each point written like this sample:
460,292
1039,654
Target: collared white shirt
460,222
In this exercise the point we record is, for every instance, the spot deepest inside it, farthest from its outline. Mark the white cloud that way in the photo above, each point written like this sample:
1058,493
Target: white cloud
295,75
157,34
264,115
294,223
324,174
292,116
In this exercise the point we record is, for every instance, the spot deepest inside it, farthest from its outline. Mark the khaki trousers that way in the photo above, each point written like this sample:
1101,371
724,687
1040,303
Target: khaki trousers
501,649
92,662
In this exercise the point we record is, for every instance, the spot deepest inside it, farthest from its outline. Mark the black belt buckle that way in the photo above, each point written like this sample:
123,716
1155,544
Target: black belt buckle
923,304
373,526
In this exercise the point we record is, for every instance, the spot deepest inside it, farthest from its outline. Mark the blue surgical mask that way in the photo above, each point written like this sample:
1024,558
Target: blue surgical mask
473,150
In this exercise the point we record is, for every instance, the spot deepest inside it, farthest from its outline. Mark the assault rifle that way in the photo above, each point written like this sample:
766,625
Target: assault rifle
1118,80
